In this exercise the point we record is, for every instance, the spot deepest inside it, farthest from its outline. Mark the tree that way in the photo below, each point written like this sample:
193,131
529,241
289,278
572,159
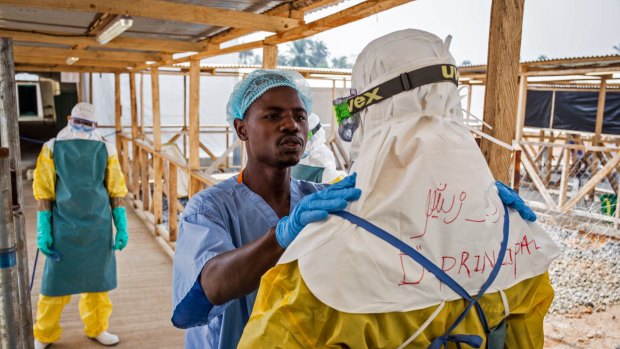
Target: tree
542,57
306,53
341,62
617,48
466,62
246,57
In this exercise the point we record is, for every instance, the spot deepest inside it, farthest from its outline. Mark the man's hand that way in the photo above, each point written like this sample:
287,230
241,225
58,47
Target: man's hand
514,201
316,207
120,222
44,232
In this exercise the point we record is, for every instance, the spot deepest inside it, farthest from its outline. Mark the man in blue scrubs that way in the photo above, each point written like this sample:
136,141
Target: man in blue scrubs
233,232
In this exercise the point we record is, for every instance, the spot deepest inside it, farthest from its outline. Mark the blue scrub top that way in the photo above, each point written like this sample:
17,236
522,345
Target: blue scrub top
219,219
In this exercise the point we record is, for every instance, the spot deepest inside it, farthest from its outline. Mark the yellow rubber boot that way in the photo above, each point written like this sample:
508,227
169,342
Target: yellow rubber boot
47,326
95,311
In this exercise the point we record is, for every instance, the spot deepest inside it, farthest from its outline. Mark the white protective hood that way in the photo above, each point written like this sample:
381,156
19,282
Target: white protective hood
319,155
424,180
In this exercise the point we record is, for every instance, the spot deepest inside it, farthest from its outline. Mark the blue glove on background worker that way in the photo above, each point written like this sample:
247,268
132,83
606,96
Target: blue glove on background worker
120,222
44,232
316,207
514,201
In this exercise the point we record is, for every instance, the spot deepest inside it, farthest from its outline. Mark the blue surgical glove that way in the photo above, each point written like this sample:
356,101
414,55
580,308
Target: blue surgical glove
316,207
120,222
514,201
44,232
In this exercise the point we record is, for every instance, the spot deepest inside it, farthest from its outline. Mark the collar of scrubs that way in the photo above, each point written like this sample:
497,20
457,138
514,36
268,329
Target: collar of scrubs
420,195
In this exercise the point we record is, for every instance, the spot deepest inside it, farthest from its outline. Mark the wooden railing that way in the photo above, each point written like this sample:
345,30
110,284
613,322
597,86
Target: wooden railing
152,176
565,172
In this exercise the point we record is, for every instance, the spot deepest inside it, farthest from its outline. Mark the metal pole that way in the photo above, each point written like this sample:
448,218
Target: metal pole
9,138
9,309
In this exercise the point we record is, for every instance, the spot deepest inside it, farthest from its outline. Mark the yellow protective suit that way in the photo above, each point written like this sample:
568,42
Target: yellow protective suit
44,181
95,308
287,315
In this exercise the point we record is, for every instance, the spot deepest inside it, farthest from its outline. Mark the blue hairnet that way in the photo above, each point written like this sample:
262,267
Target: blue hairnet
260,81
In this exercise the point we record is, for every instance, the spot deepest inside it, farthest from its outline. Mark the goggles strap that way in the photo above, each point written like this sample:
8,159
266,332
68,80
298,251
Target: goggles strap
314,130
404,82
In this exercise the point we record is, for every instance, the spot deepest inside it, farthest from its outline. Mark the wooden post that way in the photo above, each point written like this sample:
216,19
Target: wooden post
172,201
194,124
142,106
144,180
184,115
600,111
521,106
516,173
117,112
9,138
564,178
469,92
500,102
80,93
270,56
90,88
134,136
549,158
157,160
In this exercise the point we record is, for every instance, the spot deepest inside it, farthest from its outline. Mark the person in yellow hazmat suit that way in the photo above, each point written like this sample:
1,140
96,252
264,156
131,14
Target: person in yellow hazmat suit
430,256
80,187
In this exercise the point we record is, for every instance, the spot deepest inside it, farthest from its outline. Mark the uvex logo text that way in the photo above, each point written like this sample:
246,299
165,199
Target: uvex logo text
365,99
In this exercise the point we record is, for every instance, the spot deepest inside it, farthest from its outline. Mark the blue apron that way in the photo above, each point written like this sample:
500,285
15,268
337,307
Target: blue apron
308,173
81,222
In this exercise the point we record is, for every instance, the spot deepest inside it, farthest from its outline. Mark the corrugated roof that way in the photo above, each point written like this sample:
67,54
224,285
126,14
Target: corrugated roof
243,66
573,58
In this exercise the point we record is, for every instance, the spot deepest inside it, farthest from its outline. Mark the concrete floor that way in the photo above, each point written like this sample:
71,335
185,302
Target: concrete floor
142,301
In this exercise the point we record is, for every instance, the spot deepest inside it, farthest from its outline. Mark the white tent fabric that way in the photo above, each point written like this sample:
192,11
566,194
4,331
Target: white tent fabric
424,180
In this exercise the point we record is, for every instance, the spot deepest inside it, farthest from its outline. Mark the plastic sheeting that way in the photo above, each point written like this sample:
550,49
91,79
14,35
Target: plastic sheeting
538,109
573,110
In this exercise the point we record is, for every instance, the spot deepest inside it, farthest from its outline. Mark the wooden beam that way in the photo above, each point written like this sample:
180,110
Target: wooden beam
89,41
600,111
591,184
82,62
500,102
169,11
194,123
135,168
531,170
564,178
521,107
80,88
172,202
291,10
270,56
144,179
158,164
118,125
351,14
348,15
90,88
87,54
64,68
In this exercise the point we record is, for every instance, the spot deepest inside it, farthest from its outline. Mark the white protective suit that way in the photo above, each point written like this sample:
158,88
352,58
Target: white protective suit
425,181
318,163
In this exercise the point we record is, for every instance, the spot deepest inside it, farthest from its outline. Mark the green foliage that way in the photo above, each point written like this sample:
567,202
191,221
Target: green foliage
301,53
341,62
